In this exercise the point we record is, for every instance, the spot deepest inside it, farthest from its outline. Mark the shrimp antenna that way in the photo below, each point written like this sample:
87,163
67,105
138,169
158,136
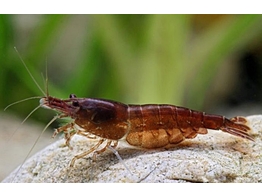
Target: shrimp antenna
119,157
29,72
25,119
26,99
46,80
40,135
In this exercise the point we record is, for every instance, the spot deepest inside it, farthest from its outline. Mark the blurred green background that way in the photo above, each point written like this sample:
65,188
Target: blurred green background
196,61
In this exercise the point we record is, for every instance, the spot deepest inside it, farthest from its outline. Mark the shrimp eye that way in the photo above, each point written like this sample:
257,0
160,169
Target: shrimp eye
74,103
72,96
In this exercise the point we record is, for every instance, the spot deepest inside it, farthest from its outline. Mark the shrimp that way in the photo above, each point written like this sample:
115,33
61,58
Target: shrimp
147,126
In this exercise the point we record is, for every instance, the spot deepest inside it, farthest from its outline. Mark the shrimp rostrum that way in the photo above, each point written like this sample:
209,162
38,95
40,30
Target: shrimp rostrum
146,126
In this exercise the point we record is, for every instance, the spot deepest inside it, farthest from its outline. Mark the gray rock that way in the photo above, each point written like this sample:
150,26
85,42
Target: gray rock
16,141
214,157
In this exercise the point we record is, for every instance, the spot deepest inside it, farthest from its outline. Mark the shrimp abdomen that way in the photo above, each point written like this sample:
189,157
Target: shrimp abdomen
154,126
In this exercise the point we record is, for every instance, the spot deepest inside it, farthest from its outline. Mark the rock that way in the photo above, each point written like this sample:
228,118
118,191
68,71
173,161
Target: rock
214,157
16,141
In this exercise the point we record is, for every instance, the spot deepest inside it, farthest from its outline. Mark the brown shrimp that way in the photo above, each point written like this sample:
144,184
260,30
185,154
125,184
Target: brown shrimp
146,126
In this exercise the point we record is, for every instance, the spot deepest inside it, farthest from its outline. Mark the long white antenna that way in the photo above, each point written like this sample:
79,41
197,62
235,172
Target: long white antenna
29,98
119,158
40,135
29,72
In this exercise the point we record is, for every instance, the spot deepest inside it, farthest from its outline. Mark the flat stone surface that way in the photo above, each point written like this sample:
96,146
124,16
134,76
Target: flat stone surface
16,141
214,157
